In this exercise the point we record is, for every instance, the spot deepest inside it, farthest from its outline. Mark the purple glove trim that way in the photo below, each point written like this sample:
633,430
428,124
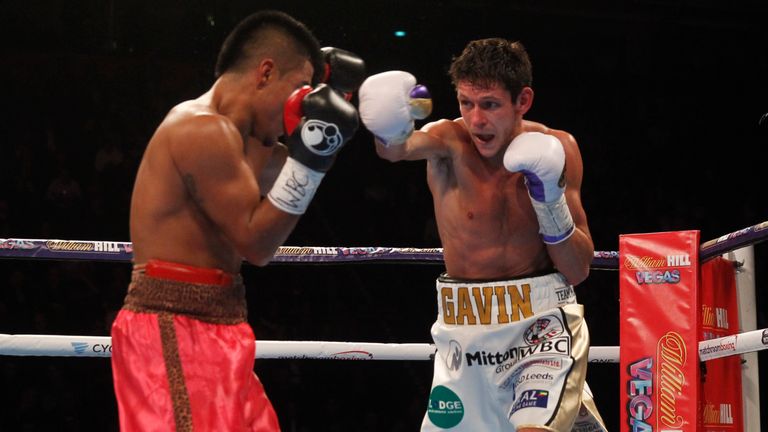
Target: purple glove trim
559,238
420,92
535,186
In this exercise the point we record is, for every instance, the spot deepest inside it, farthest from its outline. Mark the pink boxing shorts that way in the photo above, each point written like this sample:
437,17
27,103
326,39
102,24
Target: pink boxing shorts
183,354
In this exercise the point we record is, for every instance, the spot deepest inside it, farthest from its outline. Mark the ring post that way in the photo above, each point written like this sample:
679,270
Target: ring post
745,280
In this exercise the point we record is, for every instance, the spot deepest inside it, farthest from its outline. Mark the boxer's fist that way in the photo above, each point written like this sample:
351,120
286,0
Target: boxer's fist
318,122
541,159
344,70
389,103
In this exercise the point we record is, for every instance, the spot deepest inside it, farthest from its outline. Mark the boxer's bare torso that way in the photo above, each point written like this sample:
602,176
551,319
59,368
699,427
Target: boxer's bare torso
487,225
167,217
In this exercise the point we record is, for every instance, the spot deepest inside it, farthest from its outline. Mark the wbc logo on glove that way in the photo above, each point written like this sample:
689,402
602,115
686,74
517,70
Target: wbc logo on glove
321,138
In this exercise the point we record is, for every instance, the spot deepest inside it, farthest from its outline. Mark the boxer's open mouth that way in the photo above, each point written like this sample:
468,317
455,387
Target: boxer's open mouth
484,137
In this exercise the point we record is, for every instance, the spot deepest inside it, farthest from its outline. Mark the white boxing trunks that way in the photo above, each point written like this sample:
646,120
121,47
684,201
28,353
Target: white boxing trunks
510,354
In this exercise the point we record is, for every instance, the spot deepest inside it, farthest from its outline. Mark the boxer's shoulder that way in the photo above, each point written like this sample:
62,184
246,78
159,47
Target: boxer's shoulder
451,132
566,138
191,124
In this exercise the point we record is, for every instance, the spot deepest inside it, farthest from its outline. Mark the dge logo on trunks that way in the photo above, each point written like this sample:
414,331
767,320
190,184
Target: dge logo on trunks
445,409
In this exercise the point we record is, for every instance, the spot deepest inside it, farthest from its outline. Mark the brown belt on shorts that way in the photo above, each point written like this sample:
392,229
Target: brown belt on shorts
208,295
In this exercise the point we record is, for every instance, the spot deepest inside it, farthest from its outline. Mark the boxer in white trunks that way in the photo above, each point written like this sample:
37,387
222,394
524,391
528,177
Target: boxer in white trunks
511,340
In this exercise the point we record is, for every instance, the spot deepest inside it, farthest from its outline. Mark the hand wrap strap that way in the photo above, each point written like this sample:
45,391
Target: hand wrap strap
294,188
555,221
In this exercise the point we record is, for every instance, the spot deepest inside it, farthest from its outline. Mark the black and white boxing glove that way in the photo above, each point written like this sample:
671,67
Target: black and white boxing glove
318,122
344,70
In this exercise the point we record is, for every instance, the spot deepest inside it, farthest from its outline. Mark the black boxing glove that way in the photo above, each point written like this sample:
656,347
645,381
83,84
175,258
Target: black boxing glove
318,122
344,71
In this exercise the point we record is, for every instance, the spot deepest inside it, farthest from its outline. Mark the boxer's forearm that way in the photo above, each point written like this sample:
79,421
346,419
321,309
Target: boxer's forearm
573,256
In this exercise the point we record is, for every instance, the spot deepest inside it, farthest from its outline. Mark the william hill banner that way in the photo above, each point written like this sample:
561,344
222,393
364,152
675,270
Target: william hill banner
660,313
721,389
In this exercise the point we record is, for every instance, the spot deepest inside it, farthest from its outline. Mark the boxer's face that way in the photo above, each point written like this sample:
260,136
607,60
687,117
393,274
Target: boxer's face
285,84
490,116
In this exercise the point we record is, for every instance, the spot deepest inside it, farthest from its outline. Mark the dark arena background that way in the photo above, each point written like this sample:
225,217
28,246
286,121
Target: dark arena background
664,98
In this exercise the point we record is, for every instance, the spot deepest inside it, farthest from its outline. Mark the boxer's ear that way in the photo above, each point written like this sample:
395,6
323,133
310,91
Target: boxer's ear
264,72
524,100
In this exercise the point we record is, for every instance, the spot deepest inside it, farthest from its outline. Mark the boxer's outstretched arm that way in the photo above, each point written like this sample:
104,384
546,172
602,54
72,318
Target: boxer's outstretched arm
428,143
389,104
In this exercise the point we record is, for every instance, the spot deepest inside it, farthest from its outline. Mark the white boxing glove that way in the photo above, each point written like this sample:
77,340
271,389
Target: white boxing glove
389,103
541,159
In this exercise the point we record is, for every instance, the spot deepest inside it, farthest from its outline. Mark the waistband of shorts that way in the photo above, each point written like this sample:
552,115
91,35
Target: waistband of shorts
474,303
205,294
186,273
543,278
